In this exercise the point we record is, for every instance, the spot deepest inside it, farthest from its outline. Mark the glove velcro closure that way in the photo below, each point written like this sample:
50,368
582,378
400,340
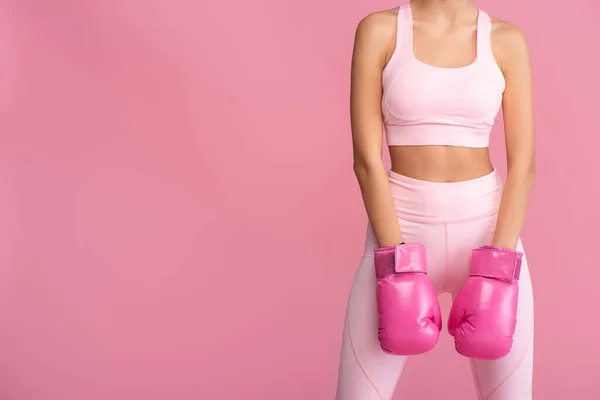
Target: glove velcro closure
401,258
496,263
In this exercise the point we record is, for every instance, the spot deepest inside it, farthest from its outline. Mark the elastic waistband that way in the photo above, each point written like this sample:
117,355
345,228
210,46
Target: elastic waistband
436,202
480,184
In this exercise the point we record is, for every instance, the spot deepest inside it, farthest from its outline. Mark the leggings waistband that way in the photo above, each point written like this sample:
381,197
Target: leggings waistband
439,202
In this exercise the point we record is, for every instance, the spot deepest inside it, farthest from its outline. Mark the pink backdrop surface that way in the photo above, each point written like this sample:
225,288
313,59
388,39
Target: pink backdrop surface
179,218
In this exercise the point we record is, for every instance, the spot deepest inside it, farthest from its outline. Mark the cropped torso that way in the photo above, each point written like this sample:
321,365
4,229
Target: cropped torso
426,107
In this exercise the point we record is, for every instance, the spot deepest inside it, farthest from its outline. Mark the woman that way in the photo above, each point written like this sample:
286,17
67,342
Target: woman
435,73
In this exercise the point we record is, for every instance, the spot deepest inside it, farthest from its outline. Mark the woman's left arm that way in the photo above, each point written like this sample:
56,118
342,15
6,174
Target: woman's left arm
517,108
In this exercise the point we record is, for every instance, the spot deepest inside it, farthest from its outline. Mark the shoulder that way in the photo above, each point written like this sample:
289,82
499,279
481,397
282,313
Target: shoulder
509,38
378,26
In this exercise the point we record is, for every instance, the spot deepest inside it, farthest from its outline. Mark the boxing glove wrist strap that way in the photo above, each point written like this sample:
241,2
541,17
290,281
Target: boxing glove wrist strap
496,263
401,258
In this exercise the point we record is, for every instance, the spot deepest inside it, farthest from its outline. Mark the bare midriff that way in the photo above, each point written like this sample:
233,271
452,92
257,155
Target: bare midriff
440,163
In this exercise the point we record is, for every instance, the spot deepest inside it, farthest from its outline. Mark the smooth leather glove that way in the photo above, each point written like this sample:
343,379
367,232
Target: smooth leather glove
483,316
409,311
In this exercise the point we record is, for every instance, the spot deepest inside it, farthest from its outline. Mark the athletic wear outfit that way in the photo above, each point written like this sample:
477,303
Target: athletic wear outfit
427,105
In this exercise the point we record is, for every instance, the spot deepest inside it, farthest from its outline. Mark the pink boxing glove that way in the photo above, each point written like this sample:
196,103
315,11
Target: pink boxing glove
483,316
409,313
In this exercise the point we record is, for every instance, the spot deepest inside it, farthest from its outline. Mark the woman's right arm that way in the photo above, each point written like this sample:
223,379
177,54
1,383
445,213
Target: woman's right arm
371,44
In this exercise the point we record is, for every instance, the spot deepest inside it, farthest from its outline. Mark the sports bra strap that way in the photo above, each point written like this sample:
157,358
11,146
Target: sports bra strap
403,32
484,36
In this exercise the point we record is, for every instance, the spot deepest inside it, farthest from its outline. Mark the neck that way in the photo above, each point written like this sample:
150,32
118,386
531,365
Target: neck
443,8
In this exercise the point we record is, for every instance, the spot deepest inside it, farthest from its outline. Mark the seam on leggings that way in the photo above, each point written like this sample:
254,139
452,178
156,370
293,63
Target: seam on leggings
445,255
478,383
514,369
360,364
399,373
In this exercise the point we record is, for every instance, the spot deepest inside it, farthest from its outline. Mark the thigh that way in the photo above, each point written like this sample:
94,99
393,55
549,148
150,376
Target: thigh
510,378
365,371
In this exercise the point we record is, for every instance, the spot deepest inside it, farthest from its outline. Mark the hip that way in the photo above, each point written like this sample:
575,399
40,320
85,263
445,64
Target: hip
443,202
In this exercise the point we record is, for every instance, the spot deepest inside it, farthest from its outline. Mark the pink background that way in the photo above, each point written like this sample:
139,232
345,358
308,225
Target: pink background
179,218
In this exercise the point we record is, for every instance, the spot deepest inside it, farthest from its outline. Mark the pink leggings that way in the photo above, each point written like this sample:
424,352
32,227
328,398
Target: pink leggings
450,219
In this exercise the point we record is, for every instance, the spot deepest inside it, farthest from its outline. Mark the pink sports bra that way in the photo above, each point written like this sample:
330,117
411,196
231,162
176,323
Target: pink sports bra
427,105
